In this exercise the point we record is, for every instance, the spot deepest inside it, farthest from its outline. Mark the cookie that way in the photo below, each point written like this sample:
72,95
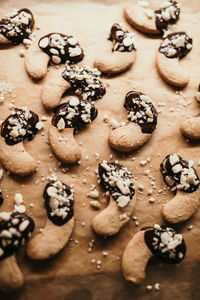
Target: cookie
148,21
16,26
15,229
118,181
162,242
55,48
59,202
181,177
68,117
20,125
172,49
84,81
190,128
122,56
143,119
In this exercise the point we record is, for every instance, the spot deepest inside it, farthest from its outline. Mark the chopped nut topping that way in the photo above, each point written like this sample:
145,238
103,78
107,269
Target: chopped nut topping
19,125
179,174
59,202
168,14
74,114
123,40
86,82
177,44
14,230
118,181
165,243
17,25
141,111
61,48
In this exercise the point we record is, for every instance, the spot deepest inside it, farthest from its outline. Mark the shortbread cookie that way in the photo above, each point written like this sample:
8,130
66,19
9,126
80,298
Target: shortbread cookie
85,82
118,181
15,229
191,128
16,26
164,243
180,176
146,20
123,53
20,125
59,202
69,116
143,117
174,47
56,48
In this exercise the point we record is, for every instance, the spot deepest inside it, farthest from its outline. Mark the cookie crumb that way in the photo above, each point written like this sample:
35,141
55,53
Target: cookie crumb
149,287
190,227
157,286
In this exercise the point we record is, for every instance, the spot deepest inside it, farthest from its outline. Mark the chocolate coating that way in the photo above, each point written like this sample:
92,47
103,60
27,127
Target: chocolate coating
63,52
153,239
105,177
27,126
118,39
77,120
85,81
163,24
23,31
1,198
66,192
166,170
133,104
11,237
181,51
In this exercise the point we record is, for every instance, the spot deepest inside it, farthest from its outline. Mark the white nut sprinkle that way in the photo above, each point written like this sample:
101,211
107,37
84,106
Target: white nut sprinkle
44,42
24,225
18,198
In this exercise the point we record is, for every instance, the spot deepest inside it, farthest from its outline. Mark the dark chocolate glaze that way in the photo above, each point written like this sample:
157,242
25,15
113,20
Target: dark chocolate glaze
166,170
180,51
96,90
119,39
1,198
59,221
168,256
161,24
28,125
115,189
76,122
130,106
64,57
15,241
22,34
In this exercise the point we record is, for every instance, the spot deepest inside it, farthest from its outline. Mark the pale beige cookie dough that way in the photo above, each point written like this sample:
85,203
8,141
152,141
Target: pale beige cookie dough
11,276
135,259
141,18
190,128
50,241
64,145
